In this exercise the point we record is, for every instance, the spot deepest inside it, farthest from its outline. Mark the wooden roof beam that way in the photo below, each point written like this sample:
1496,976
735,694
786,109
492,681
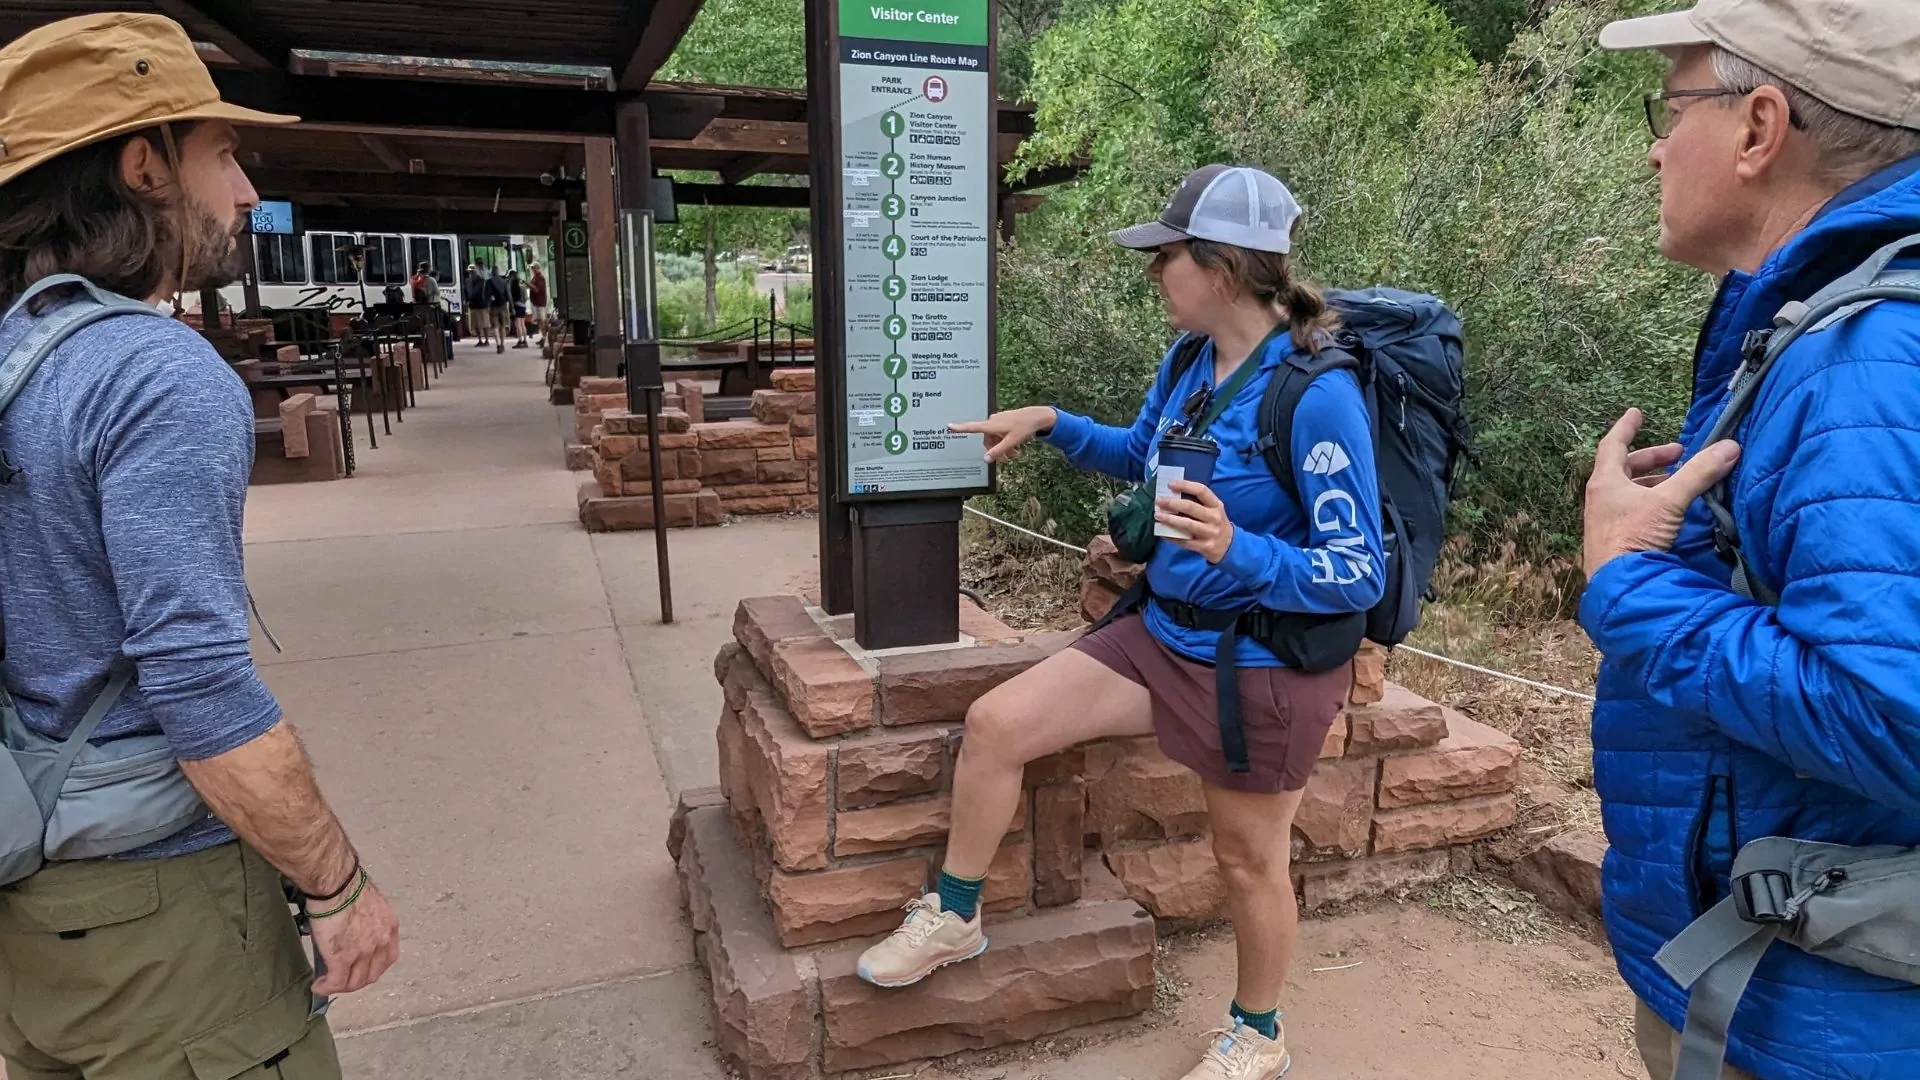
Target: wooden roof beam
652,32
383,151
286,183
235,27
747,166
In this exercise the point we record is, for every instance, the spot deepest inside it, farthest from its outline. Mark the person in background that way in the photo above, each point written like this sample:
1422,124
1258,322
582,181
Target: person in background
537,297
426,290
1786,140
1222,266
473,293
499,300
170,954
519,295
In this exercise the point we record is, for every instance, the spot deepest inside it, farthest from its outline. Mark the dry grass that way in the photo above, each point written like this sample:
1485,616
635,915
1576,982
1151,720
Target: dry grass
1027,584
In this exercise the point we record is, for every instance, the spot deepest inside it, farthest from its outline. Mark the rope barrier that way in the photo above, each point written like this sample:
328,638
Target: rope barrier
1546,687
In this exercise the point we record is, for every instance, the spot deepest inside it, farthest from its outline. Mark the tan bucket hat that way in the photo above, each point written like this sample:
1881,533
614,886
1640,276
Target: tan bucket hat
81,80
1859,56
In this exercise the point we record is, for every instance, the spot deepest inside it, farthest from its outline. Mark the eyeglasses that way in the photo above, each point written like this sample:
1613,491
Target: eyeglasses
1661,115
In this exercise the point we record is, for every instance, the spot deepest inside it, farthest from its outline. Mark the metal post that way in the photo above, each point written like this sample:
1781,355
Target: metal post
828,229
639,338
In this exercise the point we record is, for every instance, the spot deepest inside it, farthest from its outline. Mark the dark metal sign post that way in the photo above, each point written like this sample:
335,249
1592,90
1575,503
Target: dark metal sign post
638,336
904,185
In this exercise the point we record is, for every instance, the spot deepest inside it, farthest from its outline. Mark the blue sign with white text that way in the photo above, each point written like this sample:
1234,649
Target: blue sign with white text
273,217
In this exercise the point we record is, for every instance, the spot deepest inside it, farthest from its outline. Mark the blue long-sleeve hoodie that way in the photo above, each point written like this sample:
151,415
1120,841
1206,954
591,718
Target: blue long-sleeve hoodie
1722,720
1320,554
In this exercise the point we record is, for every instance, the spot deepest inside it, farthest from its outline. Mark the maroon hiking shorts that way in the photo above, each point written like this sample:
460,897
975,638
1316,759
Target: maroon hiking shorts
1286,712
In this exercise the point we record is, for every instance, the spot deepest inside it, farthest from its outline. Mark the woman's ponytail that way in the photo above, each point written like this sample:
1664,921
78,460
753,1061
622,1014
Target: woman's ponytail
1308,316
1269,277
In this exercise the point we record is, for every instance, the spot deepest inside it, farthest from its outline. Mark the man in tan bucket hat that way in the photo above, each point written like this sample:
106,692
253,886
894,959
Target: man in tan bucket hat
1758,608
144,930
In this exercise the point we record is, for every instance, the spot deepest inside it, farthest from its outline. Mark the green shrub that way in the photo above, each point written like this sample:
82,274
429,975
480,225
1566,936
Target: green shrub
1519,193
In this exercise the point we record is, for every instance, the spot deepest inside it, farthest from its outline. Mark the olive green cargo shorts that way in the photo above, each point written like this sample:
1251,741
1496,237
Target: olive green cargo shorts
186,968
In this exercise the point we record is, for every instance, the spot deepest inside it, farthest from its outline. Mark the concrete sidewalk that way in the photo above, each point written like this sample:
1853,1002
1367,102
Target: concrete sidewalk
501,721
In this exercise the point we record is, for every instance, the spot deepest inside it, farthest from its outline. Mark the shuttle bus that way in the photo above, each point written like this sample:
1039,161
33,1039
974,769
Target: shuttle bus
313,269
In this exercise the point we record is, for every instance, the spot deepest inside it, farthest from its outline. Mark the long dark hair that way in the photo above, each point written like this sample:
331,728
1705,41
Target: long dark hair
76,215
1269,277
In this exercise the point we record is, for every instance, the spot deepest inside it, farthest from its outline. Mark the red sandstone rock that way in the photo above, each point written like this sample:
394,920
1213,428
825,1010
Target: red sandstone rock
784,472
1065,767
726,467
760,622
676,487
1369,674
1336,813
761,504
1096,599
848,902
1061,968
723,661
763,1015
941,684
1104,575
798,379
803,423
1009,877
890,765
1441,824
579,457
976,623
605,513
1336,743
893,826
1401,720
600,385
827,691
777,406
1135,793
738,435
736,782
1565,872
1474,759
690,800
1348,879
804,448
1059,832
787,774
783,452
674,421
1175,880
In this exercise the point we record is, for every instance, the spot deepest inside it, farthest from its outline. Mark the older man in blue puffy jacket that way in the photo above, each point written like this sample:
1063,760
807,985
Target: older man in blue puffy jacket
1786,146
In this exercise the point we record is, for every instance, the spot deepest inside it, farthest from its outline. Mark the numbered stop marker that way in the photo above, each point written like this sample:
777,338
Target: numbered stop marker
895,327
894,207
893,125
894,365
893,166
935,88
896,405
894,287
896,442
894,246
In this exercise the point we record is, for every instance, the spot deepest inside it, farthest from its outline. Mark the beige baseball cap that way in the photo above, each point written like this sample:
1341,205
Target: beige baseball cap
1859,56
81,80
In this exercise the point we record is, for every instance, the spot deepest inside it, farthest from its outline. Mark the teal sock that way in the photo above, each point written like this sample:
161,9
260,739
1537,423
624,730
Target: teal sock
960,895
1266,1023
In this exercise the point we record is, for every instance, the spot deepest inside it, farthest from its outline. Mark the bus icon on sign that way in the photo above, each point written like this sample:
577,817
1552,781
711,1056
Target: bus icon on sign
935,89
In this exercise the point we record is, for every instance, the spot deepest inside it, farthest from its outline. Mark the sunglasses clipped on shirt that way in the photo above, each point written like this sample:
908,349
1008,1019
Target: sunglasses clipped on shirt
1192,410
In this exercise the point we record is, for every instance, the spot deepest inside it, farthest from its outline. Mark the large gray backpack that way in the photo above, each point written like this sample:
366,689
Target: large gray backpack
69,799
1857,906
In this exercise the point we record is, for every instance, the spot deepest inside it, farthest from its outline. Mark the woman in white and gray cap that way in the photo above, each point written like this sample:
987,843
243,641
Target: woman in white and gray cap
1279,566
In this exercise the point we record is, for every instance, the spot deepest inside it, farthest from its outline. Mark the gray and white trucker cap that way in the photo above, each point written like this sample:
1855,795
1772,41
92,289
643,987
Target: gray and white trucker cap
1228,204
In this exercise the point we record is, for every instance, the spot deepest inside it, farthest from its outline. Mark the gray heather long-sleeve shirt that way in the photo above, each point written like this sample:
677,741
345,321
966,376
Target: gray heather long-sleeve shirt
121,542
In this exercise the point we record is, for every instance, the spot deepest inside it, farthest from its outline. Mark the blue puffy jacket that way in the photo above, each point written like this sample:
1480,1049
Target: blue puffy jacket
1721,720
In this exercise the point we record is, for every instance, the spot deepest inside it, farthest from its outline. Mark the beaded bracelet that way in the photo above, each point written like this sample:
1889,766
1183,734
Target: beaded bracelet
360,886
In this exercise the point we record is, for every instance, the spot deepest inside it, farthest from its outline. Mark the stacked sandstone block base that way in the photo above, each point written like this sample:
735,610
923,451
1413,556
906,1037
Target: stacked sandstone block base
766,465
836,773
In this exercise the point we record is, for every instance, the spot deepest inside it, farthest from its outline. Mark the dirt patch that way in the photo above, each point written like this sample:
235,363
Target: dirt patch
1390,992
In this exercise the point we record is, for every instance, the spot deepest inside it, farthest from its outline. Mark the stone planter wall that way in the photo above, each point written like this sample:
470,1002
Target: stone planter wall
766,465
836,772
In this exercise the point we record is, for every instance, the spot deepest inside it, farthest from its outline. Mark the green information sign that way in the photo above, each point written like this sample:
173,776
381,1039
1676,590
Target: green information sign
573,238
945,22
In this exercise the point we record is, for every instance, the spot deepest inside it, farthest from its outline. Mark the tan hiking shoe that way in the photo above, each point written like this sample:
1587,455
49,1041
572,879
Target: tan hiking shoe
1237,1052
928,940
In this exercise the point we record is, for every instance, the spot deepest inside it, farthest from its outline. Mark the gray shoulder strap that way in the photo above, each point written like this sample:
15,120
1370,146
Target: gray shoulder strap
47,334
56,777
